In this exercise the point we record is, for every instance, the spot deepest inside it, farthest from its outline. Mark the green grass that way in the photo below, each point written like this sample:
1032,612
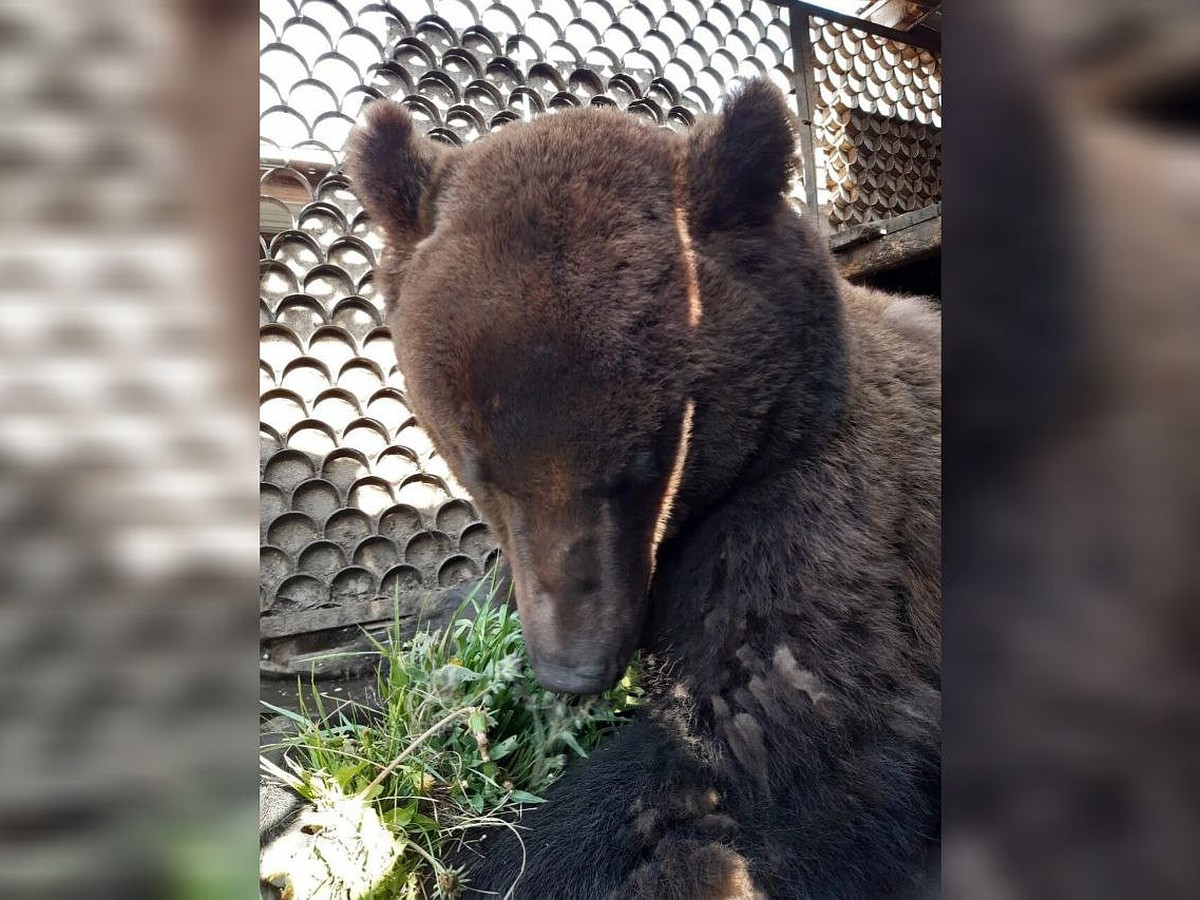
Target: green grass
465,738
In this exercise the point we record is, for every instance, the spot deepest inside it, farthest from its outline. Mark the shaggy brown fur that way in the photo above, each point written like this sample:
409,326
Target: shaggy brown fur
689,436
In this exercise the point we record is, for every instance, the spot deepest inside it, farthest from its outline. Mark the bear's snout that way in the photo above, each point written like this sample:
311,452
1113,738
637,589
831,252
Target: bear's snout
579,641
579,575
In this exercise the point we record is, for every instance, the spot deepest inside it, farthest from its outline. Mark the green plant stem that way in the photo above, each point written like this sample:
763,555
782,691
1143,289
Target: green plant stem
407,751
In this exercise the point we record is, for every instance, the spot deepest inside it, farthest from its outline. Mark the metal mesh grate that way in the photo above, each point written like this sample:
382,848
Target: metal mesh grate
468,68
877,125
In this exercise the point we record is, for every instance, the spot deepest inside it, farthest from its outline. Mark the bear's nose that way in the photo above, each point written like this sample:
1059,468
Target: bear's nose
565,679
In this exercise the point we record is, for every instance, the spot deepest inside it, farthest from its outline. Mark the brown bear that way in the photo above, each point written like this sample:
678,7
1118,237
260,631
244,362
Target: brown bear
690,436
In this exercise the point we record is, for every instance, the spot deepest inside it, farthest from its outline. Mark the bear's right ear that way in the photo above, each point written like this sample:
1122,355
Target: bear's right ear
394,171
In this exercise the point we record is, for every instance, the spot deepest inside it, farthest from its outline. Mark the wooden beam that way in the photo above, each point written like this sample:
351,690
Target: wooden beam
911,243
871,230
931,41
898,14
344,614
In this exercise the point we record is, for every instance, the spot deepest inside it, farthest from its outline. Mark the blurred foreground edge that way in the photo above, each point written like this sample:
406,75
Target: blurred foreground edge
1072,503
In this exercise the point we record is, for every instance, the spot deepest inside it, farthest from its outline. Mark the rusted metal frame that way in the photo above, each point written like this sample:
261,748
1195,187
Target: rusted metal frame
932,44
803,65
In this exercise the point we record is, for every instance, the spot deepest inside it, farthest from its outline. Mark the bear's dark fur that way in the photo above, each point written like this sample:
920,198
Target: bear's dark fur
689,436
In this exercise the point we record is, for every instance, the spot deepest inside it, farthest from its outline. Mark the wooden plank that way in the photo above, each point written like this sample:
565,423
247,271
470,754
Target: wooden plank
896,248
871,230
433,606
281,625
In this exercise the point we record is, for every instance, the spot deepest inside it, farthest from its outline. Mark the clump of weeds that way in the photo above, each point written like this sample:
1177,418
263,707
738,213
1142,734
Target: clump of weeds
462,740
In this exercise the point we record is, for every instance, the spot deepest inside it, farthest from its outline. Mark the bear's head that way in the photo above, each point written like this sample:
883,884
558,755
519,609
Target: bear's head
557,311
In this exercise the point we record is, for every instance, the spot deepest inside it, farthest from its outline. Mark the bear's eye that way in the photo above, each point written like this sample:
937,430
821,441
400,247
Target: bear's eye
640,473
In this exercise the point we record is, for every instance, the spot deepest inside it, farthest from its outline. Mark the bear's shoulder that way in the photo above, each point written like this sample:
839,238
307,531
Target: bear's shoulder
909,318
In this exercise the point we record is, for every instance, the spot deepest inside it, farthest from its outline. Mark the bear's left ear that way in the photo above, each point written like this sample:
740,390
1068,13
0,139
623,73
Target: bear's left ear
740,162
395,171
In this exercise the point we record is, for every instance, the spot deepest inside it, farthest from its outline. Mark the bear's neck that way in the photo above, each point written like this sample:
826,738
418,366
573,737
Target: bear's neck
770,375
770,387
